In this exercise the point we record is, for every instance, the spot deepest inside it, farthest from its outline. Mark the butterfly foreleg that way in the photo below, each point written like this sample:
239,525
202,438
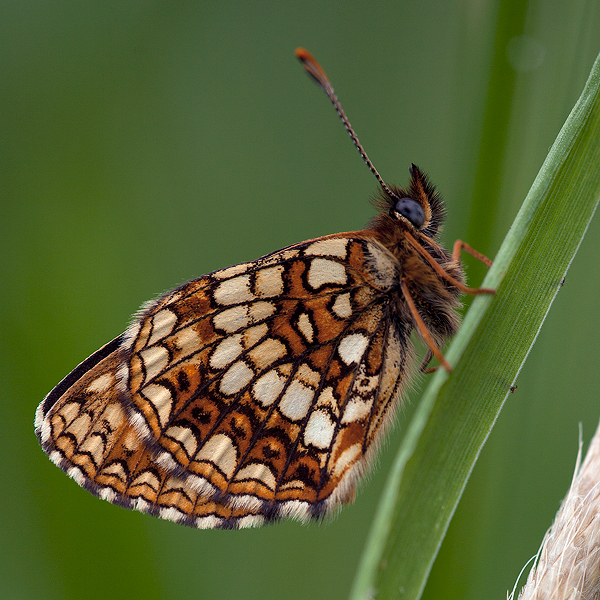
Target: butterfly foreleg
440,271
423,368
459,245
422,327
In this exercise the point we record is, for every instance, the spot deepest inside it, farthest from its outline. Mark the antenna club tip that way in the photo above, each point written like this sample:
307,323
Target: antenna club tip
303,54
313,67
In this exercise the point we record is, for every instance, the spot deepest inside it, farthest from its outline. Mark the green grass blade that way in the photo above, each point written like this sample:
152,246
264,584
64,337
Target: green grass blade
457,412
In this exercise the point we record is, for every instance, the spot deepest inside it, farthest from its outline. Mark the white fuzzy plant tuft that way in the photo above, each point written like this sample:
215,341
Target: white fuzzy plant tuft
568,563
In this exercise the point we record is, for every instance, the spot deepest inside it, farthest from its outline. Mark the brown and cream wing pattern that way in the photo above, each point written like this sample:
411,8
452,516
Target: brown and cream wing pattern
255,393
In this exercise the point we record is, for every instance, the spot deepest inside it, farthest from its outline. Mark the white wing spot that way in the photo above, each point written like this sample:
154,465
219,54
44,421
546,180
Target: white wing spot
267,353
237,376
253,335
163,323
346,458
100,384
232,319
356,409
245,502
239,317
279,257
329,247
156,359
146,478
80,427
160,398
268,282
295,509
352,347
261,310
187,340
258,471
201,485
305,327
319,430
296,401
94,446
115,470
308,376
139,424
166,461
141,505
231,271
324,272
226,351
221,451
185,437
342,307
327,400
267,388
234,291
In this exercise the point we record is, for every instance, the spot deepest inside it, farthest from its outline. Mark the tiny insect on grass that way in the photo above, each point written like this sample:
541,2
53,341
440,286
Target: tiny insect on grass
262,391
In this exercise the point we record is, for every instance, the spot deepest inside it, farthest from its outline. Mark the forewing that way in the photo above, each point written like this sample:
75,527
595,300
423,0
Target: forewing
251,394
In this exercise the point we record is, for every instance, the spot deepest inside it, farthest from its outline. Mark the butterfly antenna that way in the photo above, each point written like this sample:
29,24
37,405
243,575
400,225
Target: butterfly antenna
314,69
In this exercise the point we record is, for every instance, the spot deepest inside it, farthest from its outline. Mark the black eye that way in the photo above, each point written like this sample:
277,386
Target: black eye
412,210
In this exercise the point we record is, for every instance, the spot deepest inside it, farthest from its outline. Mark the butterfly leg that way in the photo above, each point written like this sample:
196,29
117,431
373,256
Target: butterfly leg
424,368
438,269
422,327
459,245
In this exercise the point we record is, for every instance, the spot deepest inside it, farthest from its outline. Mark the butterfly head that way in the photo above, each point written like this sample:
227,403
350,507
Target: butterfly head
416,207
411,210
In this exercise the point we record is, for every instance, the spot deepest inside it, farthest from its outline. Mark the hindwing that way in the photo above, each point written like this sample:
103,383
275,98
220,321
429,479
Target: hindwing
253,393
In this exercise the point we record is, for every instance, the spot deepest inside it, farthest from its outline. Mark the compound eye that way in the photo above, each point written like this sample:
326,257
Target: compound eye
411,210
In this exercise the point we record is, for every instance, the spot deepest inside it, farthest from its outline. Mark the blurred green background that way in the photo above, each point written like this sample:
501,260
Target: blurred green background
145,143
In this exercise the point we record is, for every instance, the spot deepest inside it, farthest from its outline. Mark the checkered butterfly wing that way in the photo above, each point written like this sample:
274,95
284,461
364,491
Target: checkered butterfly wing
254,393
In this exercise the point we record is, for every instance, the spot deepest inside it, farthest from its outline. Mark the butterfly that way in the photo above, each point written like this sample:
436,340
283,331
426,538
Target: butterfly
262,391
